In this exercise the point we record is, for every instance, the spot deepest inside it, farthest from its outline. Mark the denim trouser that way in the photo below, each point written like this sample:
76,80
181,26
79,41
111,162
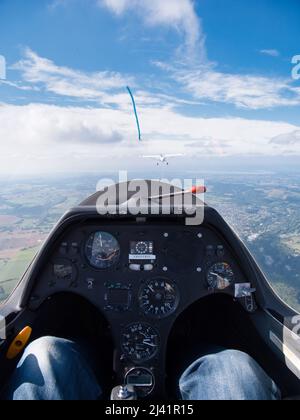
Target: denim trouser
55,369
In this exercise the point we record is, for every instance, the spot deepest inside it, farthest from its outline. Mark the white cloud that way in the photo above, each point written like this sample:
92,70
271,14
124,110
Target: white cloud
179,14
19,85
68,82
46,125
43,138
203,83
270,53
103,87
243,91
291,138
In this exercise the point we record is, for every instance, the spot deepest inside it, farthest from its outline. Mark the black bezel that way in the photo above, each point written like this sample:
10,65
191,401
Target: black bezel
115,263
145,359
177,301
213,264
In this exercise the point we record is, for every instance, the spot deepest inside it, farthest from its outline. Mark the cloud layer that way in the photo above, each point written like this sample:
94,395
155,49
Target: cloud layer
200,83
40,136
244,91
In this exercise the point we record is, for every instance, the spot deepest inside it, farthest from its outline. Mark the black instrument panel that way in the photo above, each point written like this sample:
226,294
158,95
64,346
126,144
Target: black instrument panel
141,278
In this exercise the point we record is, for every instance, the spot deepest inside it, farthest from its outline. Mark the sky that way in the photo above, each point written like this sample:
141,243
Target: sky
212,80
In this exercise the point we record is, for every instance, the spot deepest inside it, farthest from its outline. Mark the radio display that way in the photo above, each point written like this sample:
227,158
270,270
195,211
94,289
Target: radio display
142,250
143,380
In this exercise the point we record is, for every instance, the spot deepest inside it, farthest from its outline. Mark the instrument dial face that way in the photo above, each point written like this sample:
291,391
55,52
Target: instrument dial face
63,270
102,250
220,276
141,248
140,342
159,298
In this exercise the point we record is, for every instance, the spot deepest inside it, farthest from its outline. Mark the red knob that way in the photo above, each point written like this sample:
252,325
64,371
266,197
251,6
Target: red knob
200,189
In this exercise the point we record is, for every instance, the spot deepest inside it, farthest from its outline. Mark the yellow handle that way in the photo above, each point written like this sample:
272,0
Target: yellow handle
19,343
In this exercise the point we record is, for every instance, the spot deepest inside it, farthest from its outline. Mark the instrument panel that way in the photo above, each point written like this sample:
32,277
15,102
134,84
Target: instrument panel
141,278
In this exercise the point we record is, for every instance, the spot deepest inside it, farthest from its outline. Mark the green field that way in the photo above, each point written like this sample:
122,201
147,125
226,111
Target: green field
12,271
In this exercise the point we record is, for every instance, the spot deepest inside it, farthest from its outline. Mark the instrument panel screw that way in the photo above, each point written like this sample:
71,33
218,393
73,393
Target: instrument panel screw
200,236
199,269
166,235
165,269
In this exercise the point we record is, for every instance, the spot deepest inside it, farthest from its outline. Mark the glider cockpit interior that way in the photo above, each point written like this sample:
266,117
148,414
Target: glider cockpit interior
148,293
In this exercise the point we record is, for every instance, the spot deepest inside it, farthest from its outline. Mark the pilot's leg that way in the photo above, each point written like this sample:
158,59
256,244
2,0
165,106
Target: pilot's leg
53,369
228,375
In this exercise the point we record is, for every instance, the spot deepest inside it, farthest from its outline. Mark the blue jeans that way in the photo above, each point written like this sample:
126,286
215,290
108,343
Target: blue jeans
55,369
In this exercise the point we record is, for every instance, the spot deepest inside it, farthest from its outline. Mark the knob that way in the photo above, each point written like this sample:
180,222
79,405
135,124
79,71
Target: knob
123,393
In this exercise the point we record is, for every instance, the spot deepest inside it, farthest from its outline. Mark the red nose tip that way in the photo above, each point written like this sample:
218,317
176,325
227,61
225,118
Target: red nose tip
200,189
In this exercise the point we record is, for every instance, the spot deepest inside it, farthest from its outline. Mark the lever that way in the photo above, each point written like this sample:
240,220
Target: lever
200,189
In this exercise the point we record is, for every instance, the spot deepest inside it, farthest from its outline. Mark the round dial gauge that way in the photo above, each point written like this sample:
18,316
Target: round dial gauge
141,248
140,342
159,298
102,250
220,276
64,270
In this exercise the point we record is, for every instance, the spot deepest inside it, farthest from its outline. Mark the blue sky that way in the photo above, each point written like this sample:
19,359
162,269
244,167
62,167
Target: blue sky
211,77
